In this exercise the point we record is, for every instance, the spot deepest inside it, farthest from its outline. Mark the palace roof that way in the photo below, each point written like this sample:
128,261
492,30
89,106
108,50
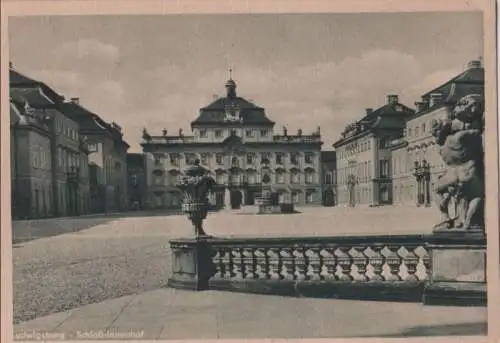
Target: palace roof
216,112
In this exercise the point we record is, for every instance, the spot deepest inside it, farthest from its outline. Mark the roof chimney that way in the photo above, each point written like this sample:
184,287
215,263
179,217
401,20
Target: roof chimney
75,100
474,64
435,99
392,99
368,111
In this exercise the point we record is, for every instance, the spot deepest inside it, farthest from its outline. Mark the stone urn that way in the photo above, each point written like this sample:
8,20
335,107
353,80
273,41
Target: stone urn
196,184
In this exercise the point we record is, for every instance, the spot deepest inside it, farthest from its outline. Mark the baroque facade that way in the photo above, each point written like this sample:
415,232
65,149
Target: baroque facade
235,140
49,168
363,154
136,180
329,172
107,158
416,160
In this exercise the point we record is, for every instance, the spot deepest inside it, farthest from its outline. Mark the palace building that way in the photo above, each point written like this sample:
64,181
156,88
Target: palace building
235,140
415,158
363,155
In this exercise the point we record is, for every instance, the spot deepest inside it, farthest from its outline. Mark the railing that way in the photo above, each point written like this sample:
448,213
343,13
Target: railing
354,259
297,138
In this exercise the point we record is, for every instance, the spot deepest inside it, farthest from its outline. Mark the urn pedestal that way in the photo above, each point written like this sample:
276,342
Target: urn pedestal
458,274
192,265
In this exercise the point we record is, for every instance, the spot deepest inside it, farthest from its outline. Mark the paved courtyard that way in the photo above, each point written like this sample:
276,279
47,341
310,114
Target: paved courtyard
107,260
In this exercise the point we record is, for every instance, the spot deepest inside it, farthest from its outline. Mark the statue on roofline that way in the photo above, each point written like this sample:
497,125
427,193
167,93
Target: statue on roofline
460,141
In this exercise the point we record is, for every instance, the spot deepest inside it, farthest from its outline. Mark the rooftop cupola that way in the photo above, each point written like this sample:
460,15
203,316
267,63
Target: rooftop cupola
230,86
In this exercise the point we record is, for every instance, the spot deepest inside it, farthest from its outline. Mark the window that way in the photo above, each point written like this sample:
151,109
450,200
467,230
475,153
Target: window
279,158
416,131
294,176
174,159
92,147
309,177
280,177
295,197
251,178
409,132
219,158
294,158
265,157
384,168
264,132
309,197
218,133
309,158
203,133
219,178
250,158
423,128
329,178
190,158
204,159
249,133
235,162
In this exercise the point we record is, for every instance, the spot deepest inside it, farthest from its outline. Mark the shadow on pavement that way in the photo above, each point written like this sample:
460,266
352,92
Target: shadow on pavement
28,230
462,329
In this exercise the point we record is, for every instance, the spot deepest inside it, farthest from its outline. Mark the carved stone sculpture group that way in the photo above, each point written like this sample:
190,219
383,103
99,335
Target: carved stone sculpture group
460,141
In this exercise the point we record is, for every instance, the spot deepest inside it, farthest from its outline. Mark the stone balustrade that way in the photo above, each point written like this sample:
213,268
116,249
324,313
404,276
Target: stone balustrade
353,259
388,267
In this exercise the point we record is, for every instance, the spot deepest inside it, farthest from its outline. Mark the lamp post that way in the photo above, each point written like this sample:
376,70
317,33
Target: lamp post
422,175
351,182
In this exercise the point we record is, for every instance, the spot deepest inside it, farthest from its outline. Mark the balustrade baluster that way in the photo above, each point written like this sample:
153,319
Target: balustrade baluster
287,258
411,262
274,263
300,264
249,263
376,260
227,261
345,262
219,264
394,262
262,269
315,262
238,267
427,262
360,261
329,262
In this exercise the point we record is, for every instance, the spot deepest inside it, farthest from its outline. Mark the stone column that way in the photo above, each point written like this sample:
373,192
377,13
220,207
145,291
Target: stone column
227,199
419,189
427,191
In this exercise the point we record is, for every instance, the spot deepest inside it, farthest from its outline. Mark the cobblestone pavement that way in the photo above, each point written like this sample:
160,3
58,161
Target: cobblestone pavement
106,258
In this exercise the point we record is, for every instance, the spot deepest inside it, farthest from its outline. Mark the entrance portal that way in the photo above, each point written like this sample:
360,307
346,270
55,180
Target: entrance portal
250,197
236,198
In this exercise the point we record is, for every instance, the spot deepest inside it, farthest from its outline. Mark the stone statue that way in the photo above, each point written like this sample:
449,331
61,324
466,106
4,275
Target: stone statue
164,132
145,135
299,132
196,184
460,141
285,131
180,133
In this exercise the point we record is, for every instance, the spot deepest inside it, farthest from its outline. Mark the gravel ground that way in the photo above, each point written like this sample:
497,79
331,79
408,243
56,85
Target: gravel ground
101,259
65,272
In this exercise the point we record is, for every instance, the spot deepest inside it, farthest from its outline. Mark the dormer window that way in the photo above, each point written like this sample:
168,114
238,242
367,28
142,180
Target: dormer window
203,133
232,113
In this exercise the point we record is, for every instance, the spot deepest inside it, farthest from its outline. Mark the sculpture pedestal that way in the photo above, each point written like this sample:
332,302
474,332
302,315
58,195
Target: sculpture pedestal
192,264
458,269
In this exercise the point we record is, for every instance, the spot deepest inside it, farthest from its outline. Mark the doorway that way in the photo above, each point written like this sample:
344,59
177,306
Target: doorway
236,198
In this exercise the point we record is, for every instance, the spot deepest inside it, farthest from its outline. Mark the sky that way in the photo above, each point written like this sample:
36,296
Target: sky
306,70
